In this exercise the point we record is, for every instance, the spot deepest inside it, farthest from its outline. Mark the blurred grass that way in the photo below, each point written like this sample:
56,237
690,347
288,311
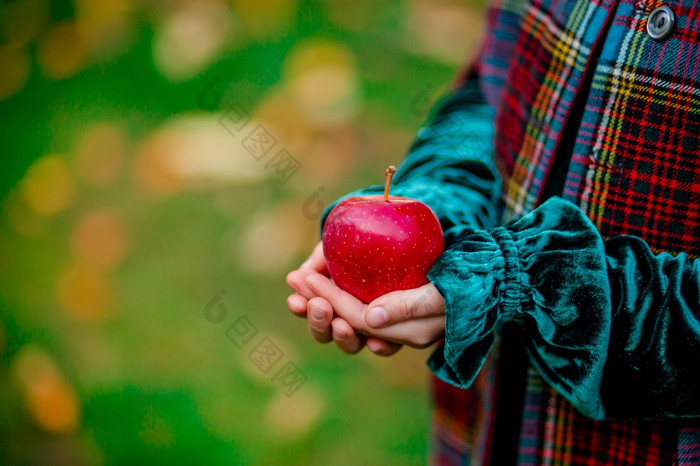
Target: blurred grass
125,344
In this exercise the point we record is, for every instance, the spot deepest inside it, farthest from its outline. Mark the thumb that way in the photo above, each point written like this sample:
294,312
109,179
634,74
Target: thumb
316,261
400,306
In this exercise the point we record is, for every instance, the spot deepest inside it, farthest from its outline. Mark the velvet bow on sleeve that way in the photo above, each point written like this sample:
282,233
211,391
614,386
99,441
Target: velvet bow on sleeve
613,327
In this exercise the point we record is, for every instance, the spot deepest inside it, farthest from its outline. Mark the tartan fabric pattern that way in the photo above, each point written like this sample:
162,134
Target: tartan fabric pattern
503,22
634,169
551,57
636,162
459,434
553,433
688,444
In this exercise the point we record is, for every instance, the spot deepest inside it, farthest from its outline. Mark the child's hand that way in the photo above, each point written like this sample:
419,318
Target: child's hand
316,263
411,317
319,312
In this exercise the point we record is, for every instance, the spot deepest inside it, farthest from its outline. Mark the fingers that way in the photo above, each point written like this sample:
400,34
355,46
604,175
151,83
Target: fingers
345,337
413,317
316,263
382,347
419,333
297,280
297,304
345,305
320,314
403,306
306,302
322,326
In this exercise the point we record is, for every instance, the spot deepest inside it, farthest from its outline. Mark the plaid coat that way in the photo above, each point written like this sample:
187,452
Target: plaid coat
571,98
634,105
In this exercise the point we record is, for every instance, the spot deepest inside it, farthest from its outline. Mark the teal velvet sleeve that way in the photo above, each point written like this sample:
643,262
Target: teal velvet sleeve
450,165
610,325
613,327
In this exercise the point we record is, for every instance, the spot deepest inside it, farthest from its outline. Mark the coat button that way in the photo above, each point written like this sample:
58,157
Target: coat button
660,22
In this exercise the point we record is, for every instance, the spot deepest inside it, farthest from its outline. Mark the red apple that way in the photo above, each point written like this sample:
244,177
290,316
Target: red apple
377,244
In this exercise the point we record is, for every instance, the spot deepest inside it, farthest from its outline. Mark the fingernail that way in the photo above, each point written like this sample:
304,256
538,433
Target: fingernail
317,313
377,317
294,303
372,345
310,282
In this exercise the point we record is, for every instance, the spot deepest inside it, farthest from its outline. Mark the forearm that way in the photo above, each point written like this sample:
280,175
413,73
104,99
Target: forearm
613,327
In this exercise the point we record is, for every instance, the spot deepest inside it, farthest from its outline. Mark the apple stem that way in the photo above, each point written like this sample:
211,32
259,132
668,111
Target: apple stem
388,175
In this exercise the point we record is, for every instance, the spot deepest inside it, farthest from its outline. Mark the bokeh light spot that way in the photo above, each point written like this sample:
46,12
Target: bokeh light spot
101,154
190,39
106,24
21,218
23,19
293,417
62,50
444,30
85,293
48,187
322,77
14,70
273,238
264,18
50,400
100,237
195,151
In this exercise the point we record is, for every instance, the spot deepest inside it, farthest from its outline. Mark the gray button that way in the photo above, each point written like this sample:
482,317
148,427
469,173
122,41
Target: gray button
660,22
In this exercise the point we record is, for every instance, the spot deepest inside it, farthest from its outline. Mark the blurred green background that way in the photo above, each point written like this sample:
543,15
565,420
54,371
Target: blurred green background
132,203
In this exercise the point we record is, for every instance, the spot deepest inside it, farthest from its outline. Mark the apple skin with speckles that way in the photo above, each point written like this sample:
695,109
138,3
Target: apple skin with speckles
374,246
